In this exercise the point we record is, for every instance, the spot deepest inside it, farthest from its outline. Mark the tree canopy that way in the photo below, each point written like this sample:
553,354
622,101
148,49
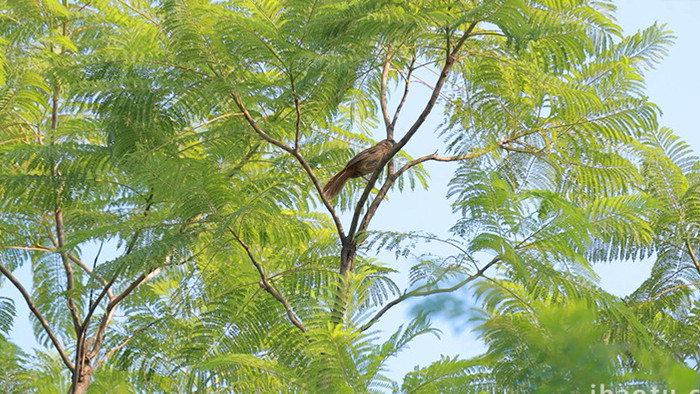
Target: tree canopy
186,143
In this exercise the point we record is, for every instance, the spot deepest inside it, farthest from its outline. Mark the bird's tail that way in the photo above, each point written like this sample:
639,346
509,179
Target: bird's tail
336,183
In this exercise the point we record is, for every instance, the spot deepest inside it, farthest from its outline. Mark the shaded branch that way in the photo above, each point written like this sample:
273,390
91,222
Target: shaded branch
267,286
38,315
244,160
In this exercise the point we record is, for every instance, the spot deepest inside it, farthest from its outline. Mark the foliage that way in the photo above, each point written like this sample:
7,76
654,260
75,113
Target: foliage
161,171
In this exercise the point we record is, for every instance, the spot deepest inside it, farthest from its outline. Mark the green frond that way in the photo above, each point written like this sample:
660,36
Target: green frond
646,47
7,314
622,228
449,376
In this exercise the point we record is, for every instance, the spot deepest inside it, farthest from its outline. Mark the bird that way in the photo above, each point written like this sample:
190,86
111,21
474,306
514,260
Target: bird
363,163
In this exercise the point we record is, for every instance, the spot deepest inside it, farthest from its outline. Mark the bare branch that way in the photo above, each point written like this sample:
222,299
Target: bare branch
36,248
426,84
212,120
488,33
422,293
267,286
434,157
39,316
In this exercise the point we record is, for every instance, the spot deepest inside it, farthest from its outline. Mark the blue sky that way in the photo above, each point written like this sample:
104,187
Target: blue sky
673,85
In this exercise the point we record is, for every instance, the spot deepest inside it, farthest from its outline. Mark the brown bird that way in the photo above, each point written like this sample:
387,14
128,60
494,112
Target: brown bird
363,163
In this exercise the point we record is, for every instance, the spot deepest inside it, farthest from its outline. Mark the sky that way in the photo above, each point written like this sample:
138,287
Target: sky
672,85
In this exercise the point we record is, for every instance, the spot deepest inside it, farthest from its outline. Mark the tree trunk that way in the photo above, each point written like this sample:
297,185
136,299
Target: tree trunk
347,256
347,262
83,383
82,375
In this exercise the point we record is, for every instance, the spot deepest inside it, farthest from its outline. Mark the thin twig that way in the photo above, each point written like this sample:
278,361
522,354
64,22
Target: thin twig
36,248
123,343
405,92
267,286
214,119
297,125
435,157
99,277
99,335
70,280
655,296
419,293
304,164
691,252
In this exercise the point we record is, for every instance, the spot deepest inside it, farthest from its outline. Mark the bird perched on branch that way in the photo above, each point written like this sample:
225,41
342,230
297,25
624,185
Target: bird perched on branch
363,163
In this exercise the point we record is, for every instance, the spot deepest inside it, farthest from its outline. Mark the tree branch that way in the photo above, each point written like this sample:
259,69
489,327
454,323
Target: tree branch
383,96
691,252
38,315
449,62
655,296
267,286
36,248
114,301
436,157
99,335
297,124
89,271
70,281
393,177
304,164
405,92
74,258
420,293
123,343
